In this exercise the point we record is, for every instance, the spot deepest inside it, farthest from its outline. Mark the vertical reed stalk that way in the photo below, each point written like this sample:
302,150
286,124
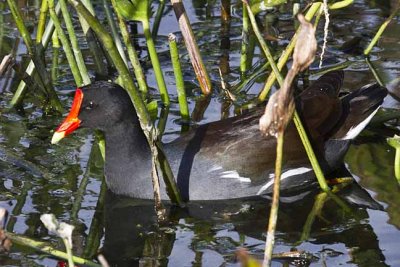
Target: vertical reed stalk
74,42
245,41
44,7
19,94
114,31
65,43
95,49
56,53
191,45
156,63
137,68
44,78
157,19
273,216
180,85
144,118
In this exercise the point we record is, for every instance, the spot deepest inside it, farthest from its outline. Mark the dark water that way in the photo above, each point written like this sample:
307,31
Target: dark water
38,178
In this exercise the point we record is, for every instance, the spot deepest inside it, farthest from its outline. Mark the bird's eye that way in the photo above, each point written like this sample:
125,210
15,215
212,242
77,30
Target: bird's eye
90,105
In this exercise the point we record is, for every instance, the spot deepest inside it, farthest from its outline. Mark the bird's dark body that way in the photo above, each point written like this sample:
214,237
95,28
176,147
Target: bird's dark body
229,158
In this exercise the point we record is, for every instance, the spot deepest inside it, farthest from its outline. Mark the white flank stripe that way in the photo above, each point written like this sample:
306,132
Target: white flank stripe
354,131
235,175
284,175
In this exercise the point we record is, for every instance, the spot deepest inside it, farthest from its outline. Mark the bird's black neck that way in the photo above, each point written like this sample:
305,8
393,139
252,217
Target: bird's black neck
128,159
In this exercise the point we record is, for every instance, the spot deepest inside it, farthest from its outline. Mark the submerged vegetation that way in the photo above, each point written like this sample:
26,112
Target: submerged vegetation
114,54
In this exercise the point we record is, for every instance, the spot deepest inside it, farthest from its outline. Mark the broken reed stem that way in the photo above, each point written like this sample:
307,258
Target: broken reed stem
143,115
381,30
300,128
180,85
74,42
66,47
245,41
273,215
45,248
156,63
132,53
286,54
44,7
374,72
191,46
43,76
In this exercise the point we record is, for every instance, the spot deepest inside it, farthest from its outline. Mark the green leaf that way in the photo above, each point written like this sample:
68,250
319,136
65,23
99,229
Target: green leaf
134,9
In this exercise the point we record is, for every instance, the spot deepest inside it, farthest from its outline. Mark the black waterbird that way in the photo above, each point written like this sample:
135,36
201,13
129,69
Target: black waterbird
230,158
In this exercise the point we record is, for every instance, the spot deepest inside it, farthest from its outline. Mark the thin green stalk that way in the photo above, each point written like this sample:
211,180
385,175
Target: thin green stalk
136,99
374,72
157,19
74,42
156,63
286,54
303,135
44,7
56,52
66,47
44,78
19,94
180,85
245,41
273,216
381,30
95,49
45,248
133,55
114,31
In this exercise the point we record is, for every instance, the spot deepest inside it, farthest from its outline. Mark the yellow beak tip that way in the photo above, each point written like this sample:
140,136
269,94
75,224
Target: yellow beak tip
57,136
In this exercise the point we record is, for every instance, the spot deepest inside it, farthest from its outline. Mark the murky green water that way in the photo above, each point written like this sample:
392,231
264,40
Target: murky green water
37,178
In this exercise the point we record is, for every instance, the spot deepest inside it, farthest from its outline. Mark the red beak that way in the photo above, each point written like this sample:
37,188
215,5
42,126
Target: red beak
71,122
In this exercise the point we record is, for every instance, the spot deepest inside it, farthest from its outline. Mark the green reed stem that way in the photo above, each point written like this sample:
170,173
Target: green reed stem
180,85
44,7
273,216
157,18
286,54
44,78
45,248
136,99
300,128
381,30
114,31
245,41
95,50
66,47
74,42
56,53
156,63
319,203
132,53
374,72
19,94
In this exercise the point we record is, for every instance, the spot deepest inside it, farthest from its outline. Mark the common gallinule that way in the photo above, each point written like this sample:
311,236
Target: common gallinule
229,158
